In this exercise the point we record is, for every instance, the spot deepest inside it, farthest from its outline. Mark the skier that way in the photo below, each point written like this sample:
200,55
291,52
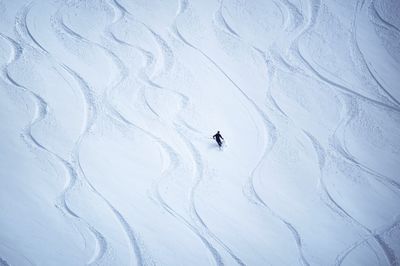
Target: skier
218,138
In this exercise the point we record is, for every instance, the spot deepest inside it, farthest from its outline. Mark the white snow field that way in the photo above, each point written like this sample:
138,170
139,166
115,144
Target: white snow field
108,108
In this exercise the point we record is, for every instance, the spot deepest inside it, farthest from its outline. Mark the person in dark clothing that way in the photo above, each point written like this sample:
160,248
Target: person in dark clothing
218,138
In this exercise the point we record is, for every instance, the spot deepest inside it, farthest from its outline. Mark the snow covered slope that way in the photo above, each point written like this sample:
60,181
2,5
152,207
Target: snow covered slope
108,108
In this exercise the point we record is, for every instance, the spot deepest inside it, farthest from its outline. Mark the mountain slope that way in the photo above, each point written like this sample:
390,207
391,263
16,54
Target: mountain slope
108,108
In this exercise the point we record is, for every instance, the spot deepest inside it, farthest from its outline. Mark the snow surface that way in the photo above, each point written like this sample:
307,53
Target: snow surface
107,114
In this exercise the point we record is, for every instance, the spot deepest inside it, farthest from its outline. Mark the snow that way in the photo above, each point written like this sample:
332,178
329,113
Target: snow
108,108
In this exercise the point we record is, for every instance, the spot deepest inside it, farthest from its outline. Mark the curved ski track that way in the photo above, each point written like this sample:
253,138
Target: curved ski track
74,174
296,24
173,157
40,114
199,226
172,153
130,233
348,116
117,116
73,166
249,189
329,201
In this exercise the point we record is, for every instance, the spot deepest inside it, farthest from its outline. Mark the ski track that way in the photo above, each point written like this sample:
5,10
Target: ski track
91,111
360,55
172,157
114,113
21,20
155,188
342,152
131,235
314,8
182,8
167,53
343,123
338,144
221,23
386,181
176,32
71,166
376,236
39,115
199,173
201,229
321,157
143,76
300,56
364,64
329,201
166,147
338,147
220,19
73,173
249,189
21,28
377,18
293,22
270,72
